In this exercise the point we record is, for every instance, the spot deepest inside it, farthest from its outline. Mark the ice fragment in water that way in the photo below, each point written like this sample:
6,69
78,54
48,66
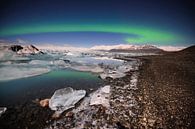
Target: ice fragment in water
88,68
10,73
101,97
65,98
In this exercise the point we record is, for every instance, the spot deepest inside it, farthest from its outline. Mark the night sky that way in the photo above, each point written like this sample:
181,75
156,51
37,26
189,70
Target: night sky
97,22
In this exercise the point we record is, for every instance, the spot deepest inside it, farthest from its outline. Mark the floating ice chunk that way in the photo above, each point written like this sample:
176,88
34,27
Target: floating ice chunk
65,98
83,106
108,58
103,76
39,62
124,68
106,89
6,63
133,82
97,70
59,62
88,68
95,60
86,101
46,63
112,75
10,73
7,55
70,54
2,110
116,72
101,97
73,54
117,75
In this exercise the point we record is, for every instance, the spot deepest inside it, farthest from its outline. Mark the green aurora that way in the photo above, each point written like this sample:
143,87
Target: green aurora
143,34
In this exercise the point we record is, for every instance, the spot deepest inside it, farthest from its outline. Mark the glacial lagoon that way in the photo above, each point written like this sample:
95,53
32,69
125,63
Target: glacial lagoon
43,86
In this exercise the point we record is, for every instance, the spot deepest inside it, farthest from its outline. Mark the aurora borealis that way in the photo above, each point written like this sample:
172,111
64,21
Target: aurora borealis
89,22
144,35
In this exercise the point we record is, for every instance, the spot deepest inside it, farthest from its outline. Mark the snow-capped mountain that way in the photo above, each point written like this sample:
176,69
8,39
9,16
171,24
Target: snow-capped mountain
126,48
29,49
65,48
17,52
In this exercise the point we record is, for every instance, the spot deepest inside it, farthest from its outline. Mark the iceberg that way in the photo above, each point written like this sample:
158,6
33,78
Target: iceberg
112,75
88,68
124,68
39,62
58,63
119,71
133,82
89,60
10,73
65,98
101,97
97,70
48,63
6,55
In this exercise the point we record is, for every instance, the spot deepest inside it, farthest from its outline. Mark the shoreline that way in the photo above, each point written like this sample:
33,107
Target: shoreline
164,97
167,94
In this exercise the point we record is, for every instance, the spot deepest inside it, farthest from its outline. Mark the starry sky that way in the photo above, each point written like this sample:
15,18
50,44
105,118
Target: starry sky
99,22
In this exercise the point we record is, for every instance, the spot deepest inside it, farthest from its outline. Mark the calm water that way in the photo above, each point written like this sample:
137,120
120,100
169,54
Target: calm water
43,86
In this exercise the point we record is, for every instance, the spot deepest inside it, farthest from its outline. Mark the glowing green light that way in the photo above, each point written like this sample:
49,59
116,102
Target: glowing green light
145,35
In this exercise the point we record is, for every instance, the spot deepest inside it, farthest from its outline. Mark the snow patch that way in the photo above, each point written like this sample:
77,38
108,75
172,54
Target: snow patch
172,48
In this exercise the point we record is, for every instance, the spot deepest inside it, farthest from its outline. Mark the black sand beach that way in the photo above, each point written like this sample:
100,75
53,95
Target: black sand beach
167,92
